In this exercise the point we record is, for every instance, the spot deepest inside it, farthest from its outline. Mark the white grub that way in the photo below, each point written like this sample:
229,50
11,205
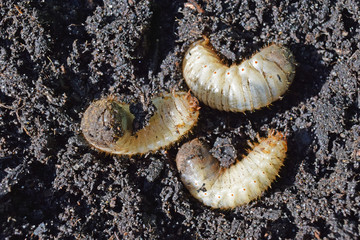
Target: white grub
239,184
253,84
107,124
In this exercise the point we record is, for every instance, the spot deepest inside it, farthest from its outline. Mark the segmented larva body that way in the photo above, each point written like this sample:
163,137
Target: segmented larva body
253,84
107,124
234,186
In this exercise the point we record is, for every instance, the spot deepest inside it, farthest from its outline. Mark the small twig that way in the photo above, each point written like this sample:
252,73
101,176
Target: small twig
18,9
117,238
17,114
18,117
194,5
7,107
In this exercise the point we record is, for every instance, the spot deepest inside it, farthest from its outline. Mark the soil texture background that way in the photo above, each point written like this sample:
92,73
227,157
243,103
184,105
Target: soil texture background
56,57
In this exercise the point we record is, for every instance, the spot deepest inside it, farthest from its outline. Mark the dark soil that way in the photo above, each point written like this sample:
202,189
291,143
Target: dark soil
56,57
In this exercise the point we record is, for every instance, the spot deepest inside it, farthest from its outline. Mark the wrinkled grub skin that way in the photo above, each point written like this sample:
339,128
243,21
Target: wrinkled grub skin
56,57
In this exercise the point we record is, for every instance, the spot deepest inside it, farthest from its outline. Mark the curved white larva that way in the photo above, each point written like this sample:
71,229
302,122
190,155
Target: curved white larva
107,124
253,84
242,182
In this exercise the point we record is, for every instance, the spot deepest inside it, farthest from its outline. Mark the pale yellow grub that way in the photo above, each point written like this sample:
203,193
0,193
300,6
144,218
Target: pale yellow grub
253,84
234,186
107,124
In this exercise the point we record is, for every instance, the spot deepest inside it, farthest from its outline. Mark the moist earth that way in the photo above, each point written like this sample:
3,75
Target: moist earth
56,57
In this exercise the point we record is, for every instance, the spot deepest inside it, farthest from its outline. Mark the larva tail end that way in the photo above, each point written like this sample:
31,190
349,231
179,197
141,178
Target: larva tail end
104,122
282,56
194,151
